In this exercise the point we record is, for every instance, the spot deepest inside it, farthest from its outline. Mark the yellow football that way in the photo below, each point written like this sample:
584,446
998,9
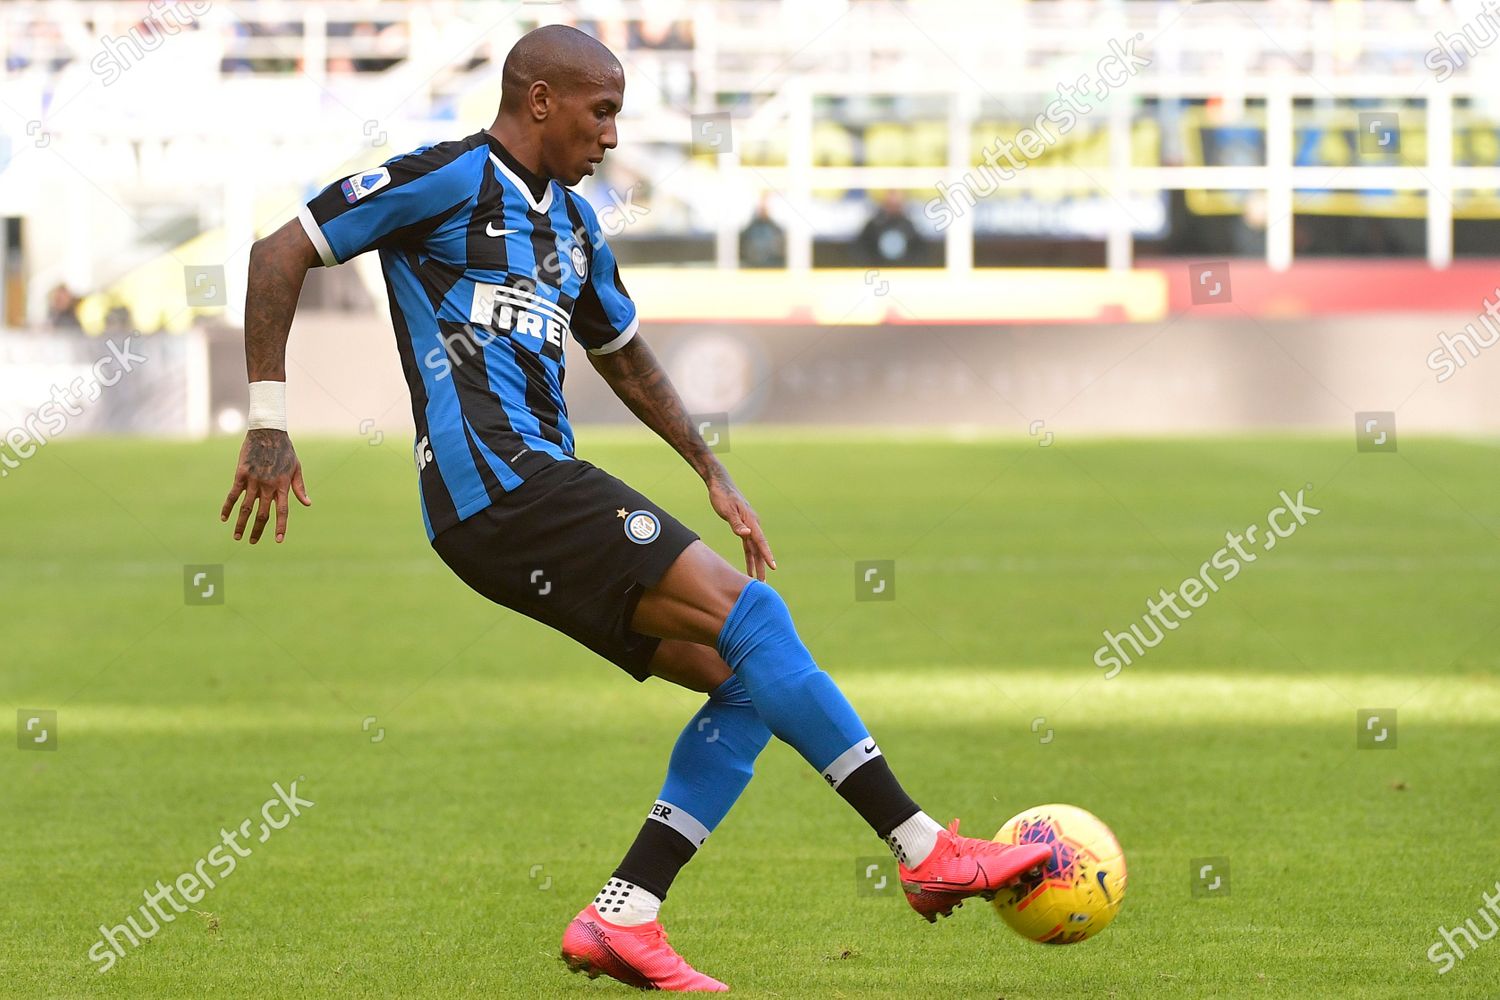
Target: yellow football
1083,884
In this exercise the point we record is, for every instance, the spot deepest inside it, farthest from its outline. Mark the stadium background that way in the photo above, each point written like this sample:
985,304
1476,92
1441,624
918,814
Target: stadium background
1239,270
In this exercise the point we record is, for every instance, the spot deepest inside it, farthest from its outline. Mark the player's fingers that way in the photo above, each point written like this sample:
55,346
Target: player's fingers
246,506
765,548
751,569
299,487
755,553
283,503
234,494
262,515
758,537
255,527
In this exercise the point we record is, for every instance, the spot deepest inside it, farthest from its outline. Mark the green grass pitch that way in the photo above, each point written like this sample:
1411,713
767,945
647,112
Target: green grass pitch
505,770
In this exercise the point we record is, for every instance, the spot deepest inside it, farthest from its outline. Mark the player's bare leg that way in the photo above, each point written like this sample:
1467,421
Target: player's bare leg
703,599
692,600
689,664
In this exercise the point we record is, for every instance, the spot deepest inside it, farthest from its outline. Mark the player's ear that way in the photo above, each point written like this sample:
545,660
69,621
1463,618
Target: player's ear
539,100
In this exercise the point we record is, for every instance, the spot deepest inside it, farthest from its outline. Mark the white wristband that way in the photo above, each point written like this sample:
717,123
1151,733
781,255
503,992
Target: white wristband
267,405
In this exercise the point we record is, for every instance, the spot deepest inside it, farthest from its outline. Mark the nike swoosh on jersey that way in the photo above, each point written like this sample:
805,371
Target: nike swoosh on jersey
492,231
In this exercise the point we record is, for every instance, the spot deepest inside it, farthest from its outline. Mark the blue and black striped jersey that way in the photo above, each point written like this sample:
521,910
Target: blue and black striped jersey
487,269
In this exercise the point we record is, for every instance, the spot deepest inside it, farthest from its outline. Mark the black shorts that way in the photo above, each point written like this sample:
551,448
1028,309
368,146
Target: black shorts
574,548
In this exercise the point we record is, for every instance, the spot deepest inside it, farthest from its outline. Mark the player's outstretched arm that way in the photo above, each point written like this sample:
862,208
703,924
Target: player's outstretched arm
268,469
642,385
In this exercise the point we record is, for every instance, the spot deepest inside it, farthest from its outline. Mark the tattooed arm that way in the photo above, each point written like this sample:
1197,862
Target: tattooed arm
642,385
268,468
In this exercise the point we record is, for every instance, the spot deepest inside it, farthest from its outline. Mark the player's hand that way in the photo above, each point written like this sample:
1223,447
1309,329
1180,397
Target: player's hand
732,506
268,472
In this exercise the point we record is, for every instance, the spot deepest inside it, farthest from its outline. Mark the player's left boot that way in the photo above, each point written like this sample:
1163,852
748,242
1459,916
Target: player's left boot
637,956
960,867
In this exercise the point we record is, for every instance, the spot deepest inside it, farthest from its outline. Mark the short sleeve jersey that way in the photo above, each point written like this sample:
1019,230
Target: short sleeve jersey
486,278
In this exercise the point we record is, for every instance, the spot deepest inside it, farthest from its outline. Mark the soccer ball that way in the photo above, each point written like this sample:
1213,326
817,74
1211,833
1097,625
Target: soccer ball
1083,884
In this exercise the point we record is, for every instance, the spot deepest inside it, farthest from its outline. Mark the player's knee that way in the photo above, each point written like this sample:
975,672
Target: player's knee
732,692
760,621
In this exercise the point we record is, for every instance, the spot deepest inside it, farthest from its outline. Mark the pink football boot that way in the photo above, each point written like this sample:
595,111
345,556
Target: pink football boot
636,956
959,867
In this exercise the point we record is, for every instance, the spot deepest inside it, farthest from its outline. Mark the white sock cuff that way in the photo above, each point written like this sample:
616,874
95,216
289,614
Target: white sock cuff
626,904
850,761
914,838
680,820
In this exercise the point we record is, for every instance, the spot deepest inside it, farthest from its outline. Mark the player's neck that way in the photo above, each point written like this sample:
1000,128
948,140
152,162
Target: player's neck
523,151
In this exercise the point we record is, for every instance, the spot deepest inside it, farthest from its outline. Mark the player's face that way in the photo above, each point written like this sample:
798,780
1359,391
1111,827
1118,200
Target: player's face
583,128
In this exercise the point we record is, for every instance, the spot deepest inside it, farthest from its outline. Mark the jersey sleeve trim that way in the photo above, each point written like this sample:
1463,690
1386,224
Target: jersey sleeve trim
314,233
620,341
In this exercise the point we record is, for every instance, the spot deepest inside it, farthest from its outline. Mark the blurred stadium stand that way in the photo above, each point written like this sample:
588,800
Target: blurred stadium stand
133,147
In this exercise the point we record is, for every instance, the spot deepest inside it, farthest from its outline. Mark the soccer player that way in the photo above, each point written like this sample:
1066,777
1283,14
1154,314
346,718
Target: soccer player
490,261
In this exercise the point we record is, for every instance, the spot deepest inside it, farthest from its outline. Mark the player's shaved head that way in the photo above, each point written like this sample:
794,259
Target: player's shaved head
560,93
564,58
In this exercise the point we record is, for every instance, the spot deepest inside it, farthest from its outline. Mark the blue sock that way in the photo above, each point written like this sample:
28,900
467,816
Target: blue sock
776,688
804,707
715,757
800,702
711,764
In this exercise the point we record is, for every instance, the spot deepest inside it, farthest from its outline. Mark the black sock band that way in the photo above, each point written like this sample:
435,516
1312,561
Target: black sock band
874,792
653,861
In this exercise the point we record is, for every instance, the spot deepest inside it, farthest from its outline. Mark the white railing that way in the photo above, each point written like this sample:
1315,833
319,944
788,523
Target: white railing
1015,56
783,57
1277,178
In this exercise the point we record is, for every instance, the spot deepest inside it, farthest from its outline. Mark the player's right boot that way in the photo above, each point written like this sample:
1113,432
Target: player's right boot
960,867
636,956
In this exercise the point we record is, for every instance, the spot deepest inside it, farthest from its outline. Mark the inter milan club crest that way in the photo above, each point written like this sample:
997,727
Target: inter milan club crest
580,261
641,526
